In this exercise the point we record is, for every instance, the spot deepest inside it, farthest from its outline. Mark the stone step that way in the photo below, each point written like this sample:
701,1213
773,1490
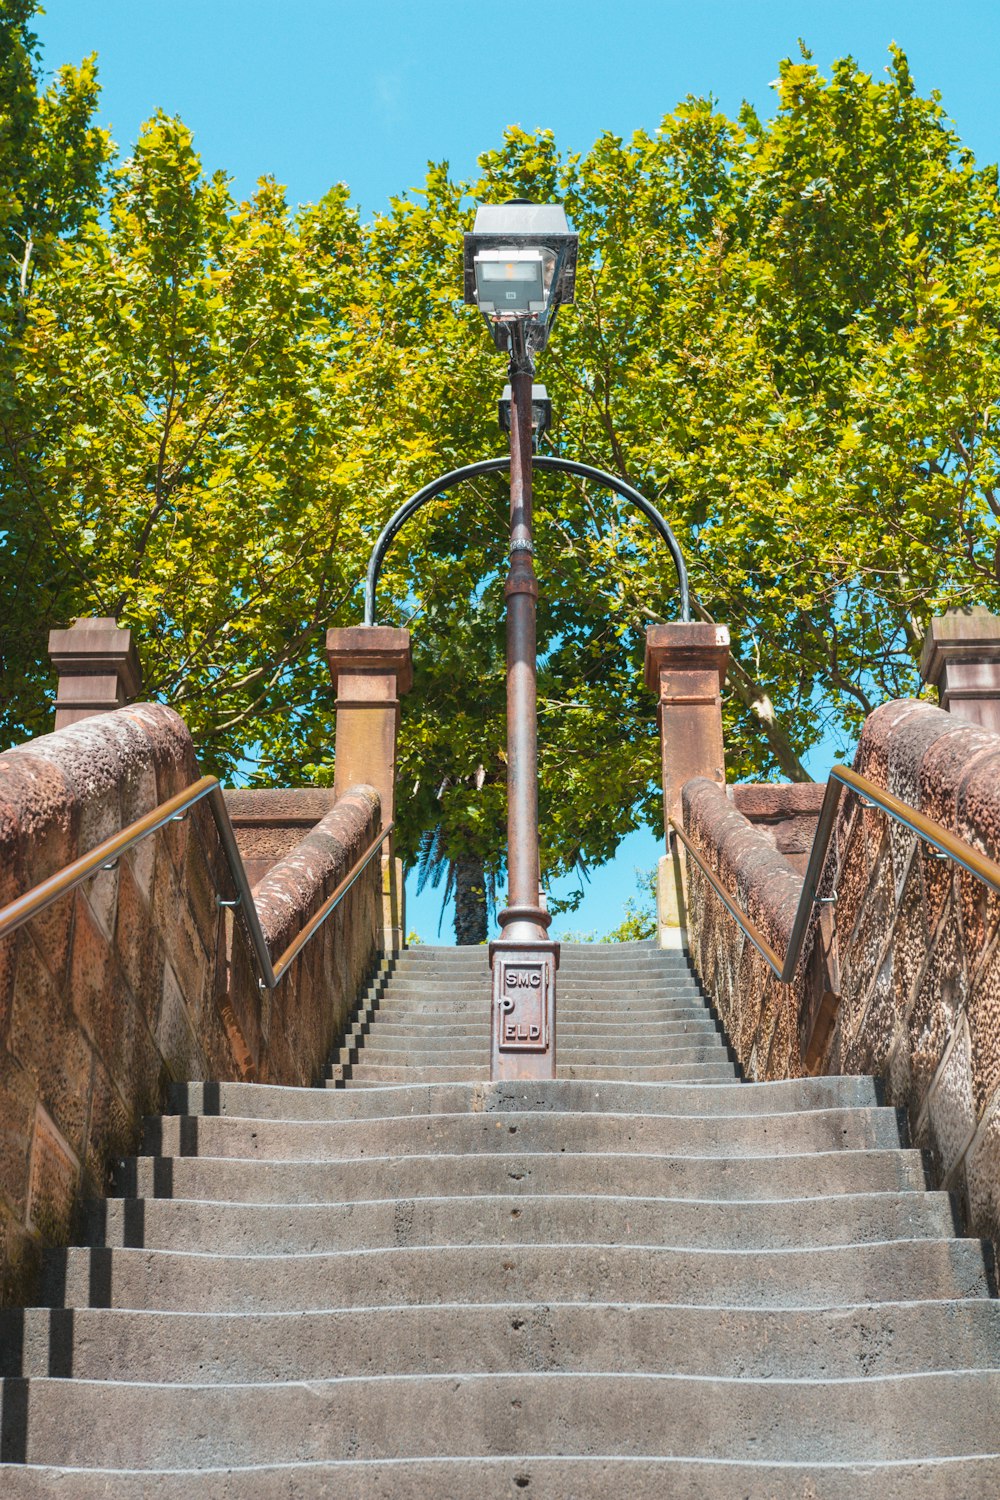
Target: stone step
184,1281
639,1033
601,1012
566,1218
705,1135
612,990
373,1075
457,996
633,1054
375,1070
764,1178
434,1040
579,1064
544,1478
421,1056
625,1030
399,1034
566,977
623,1024
598,959
475,987
570,970
611,1032
622,1040
422,1049
882,1419
566,991
429,1013
707,1072
614,955
603,1007
270,1101
628,999
643,1277
620,981
806,1344
371,1072
636,946
568,994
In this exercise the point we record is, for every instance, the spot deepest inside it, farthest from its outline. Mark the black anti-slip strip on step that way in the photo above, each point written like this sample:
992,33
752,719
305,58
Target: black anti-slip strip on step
14,1421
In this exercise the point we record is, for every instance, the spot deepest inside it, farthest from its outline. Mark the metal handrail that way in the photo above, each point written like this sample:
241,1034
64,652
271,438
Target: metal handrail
753,933
106,855
949,844
334,899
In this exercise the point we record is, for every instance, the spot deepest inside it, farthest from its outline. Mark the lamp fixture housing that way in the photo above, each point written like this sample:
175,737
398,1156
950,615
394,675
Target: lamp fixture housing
520,267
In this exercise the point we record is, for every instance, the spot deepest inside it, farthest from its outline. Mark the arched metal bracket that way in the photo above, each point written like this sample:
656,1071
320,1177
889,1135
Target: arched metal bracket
544,463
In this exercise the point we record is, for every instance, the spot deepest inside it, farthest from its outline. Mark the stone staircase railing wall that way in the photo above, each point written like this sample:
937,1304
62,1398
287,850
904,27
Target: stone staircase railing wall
138,977
901,976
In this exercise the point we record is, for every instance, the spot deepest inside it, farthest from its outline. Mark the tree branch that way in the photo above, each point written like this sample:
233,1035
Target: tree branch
758,702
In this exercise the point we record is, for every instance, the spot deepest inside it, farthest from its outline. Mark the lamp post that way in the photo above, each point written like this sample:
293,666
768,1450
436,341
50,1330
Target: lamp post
520,265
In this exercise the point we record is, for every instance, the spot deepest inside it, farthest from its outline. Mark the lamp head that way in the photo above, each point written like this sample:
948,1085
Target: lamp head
520,266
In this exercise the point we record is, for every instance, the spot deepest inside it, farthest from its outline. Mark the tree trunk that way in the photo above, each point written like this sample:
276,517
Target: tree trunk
753,697
470,901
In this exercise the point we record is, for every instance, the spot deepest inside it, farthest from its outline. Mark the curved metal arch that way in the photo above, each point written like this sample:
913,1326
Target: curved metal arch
543,462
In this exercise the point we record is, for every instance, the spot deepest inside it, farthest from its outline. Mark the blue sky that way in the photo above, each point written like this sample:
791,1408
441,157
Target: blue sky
368,91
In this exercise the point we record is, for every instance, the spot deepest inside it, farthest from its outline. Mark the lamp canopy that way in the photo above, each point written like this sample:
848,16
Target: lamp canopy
520,266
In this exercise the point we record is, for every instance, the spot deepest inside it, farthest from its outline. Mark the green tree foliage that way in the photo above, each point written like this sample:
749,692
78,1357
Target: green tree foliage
52,164
786,333
639,915
192,370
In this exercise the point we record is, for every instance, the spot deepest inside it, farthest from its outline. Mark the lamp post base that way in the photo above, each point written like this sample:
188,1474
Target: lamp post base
523,1008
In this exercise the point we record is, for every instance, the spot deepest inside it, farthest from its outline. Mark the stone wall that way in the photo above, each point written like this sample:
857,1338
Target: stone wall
291,1031
139,977
270,821
905,981
786,812
758,1012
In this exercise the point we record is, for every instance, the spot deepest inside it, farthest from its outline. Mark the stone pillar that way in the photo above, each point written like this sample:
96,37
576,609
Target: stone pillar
98,669
371,670
961,658
686,667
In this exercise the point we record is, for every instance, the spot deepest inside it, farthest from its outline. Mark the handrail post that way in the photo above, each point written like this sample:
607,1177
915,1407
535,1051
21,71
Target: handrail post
98,669
686,665
371,668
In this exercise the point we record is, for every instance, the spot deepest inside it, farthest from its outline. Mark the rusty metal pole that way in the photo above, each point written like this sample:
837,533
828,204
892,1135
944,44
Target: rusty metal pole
523,959
521,594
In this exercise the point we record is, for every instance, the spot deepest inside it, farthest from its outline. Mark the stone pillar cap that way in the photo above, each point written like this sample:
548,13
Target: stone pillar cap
687,646
959,635
95,647
371,648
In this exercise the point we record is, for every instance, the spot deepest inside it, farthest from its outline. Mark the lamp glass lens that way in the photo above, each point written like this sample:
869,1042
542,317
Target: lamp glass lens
509,270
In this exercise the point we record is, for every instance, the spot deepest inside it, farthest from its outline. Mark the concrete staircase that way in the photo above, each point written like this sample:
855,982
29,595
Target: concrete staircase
645,1278
625,1012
